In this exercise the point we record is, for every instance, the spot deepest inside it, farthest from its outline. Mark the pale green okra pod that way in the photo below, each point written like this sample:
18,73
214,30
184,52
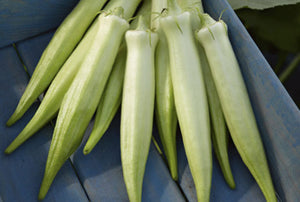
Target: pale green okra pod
58,50
80,102
51,102
235,102
190,97
165,112
110,101
61,83
112,96
219,130
219,134
137,107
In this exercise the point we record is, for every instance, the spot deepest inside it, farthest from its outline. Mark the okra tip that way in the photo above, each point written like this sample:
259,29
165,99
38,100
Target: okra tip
174,175
231,183
88,148
44,189
13,119
9,150
92,141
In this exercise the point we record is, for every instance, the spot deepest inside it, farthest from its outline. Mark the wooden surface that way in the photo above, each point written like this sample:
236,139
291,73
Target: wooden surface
21,172
20,19
98,176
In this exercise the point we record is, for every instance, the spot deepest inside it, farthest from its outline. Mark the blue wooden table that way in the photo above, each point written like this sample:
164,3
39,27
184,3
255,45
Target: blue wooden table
98,176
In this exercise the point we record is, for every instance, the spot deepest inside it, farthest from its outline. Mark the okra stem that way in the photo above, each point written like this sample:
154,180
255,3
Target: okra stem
290,69
127,5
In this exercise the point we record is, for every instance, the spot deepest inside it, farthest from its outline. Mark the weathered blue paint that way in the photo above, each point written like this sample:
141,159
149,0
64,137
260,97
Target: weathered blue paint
20,19
101,171
21,172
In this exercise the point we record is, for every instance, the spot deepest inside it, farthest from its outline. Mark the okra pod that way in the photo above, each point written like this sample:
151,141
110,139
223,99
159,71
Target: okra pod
58,50
193,7
112,95
129,6
190,97
235,102
219,134
165,112
110,101
59,86
191,4
55,93
81,100
137,107
219,130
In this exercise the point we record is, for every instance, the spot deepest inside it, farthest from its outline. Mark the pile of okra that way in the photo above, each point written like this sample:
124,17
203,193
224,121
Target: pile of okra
162,60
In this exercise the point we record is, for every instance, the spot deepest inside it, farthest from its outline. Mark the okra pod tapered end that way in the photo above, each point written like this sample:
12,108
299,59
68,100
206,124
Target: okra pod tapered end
10,149
90,144
230,182
173,171
20,139
94,138
46,183
13,119
88,148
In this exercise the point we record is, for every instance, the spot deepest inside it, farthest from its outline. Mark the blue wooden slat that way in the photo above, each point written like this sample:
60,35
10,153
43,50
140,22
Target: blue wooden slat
101,171
31,50
22,19
22,171
246,188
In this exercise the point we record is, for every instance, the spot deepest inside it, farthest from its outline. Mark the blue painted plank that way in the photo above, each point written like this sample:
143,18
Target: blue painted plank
246,188
31,49
101,171
26,18
277,115
22,171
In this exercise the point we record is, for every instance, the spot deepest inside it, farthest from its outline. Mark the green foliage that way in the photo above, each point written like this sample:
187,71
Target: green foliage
277,27
260,4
